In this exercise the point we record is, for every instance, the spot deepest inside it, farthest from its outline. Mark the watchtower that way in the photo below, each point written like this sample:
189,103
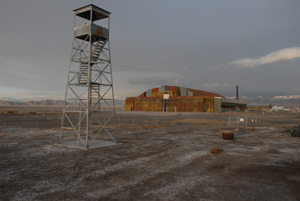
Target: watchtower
89,109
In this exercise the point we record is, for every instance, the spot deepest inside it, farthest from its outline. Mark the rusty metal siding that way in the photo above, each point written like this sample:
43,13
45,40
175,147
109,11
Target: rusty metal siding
188,104
146,105
83,31
180,100
155,90
129,104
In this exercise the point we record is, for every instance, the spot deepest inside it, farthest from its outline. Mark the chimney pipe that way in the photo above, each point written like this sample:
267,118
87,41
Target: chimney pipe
237,92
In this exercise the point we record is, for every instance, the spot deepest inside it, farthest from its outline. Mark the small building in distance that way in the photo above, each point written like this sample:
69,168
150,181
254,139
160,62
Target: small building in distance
256,107
180,99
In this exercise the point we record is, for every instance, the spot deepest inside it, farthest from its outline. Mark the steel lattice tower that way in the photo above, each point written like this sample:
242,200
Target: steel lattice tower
89,109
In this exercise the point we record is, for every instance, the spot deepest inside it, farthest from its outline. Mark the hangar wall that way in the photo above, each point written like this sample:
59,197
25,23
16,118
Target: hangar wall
186,104
172,99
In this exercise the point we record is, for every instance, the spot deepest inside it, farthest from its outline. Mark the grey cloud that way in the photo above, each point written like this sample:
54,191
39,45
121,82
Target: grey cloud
280,55
35,45
157,79
216,86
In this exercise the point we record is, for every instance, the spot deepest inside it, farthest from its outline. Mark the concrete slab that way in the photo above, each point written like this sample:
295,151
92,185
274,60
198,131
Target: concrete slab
95,144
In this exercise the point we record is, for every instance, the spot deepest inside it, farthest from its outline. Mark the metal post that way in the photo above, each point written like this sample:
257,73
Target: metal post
89,85
132,122
79,125
4,126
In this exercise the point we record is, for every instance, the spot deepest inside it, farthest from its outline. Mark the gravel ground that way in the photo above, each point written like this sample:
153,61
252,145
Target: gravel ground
167,163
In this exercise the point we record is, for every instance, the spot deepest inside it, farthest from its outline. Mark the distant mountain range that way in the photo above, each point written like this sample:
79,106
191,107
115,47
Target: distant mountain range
32,103
38,102
287,101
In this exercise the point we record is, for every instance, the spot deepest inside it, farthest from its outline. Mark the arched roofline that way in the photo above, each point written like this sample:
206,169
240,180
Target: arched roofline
194,91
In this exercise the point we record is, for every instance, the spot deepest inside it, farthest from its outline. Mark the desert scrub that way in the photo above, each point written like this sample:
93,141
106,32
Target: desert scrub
216,150
3,135
148,127
10,112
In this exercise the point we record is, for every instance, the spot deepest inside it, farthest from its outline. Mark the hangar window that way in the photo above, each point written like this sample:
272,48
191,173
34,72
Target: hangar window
148,93
182,91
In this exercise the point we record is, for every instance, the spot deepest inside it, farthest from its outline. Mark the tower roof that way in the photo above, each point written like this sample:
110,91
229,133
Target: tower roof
98,13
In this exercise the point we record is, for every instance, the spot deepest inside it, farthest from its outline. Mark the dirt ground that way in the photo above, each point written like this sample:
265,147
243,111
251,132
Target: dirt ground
160,163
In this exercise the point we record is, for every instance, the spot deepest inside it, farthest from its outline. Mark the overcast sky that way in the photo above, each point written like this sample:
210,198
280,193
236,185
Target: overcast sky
210,45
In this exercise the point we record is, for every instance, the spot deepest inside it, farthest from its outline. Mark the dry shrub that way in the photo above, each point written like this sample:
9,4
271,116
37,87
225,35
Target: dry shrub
133,128
37,137
119,128
51,113
10,112
198,121
148,127
216,150
127,136
110,126
2,135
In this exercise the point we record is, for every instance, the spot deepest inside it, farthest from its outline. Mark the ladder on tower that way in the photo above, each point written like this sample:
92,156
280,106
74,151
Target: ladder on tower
84,66
97,51
95,96
83,73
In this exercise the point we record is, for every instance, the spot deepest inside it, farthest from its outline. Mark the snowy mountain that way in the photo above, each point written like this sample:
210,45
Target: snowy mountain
30,102
8,99
39,102
287,100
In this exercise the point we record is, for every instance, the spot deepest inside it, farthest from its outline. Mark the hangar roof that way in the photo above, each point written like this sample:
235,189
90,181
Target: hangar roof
204,93
180,91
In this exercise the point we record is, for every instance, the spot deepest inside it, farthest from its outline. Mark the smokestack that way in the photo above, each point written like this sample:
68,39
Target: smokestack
237,92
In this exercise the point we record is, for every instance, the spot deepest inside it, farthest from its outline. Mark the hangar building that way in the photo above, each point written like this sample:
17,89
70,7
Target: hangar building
181,99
